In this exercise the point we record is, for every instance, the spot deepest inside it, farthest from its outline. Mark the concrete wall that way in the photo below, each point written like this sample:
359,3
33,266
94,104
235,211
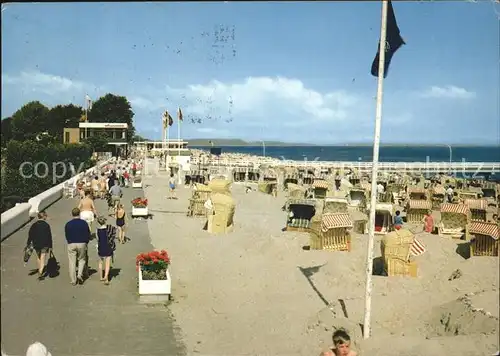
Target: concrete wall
15,218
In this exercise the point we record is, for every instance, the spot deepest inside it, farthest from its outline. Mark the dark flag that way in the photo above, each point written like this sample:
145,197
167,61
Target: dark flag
170,120
392,43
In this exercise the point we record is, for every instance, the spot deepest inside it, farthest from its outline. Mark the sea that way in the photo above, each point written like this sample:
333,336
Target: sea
365,153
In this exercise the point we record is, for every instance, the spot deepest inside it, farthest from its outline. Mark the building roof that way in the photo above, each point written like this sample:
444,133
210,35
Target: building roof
103,125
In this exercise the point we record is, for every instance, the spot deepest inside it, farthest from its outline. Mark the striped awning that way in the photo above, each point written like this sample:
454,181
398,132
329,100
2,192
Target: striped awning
196,173
240,170
292,176
417,248
483,228
455,208
476,204
320,183
416,190
420,204
335,220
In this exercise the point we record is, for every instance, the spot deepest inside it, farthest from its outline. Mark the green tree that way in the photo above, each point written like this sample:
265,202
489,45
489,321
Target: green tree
114,109
29,121
62,116
98,143
6,131
139,138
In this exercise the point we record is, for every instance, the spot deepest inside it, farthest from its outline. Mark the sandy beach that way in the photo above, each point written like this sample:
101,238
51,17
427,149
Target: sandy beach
257,291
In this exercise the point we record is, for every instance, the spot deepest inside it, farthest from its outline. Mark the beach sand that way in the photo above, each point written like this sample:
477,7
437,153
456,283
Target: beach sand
256,291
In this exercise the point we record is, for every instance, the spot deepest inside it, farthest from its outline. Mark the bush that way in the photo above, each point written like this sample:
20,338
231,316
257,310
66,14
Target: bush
19,182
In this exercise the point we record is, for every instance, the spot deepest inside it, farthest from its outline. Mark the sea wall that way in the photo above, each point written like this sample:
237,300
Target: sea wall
15,218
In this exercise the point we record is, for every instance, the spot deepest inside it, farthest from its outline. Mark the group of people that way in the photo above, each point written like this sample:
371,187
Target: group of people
78,231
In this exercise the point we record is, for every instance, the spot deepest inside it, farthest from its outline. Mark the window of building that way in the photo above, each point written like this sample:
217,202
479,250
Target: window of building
124,135
66,137
82,134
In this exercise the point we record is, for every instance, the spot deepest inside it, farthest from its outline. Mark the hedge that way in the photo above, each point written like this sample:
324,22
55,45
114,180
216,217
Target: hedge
20,182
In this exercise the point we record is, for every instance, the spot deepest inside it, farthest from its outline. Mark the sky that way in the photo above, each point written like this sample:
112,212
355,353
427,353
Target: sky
290,71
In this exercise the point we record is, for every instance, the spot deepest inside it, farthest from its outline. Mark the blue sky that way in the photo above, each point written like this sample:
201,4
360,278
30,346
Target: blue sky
297,72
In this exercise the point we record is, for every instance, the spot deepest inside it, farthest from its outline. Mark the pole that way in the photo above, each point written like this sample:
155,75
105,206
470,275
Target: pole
168,144
451,161
179,145
373,200
263,149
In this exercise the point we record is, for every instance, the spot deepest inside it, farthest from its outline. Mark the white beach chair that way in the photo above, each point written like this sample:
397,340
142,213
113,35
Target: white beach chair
69,190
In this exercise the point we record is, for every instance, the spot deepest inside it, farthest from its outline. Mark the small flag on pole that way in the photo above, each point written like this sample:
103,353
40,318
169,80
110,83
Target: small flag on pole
179,115
392,43
170,120
88,102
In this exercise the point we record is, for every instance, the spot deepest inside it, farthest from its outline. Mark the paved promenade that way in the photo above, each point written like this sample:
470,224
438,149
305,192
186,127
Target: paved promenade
92,319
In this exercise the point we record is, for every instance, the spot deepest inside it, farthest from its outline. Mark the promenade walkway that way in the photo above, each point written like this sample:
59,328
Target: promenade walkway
92,319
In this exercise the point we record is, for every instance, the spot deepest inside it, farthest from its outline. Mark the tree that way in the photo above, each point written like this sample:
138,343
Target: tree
98,143
62,116
6,131
29,121
114,109
139,138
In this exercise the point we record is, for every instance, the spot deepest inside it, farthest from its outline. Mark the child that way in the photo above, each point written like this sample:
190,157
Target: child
398,220
342,345
105,247
171,184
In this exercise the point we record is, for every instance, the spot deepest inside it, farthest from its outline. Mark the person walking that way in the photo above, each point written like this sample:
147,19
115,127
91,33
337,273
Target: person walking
40,237
87,209
116,193
77,233
121,217
106,246
171,184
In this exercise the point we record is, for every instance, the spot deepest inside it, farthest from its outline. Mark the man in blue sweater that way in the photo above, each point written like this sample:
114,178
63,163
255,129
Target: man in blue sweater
78,236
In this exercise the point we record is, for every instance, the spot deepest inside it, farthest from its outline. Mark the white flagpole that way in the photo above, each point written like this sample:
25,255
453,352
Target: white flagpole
373,200
179,144
168,143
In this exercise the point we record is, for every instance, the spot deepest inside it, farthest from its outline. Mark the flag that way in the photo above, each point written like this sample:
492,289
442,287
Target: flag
167,119
392,43
88,102
179,115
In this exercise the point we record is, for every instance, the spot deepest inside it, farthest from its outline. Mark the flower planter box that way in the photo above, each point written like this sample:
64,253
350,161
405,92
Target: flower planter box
137,184
140,211
155,287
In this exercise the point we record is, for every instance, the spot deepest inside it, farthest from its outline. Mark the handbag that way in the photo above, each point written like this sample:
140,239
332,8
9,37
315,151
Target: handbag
28,251
52,266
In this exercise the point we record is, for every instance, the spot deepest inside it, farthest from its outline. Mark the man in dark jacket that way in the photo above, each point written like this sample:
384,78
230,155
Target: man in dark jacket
40,236
78,236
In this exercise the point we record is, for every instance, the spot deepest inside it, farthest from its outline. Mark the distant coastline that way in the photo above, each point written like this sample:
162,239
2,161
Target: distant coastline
205,142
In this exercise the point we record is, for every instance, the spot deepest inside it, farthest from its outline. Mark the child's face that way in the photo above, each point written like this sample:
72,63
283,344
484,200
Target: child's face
343,349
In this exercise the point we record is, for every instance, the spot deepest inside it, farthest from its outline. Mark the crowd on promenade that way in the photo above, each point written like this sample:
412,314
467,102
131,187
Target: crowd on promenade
109,229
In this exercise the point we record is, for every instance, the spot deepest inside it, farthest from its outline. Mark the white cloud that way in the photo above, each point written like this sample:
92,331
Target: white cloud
263,99
44,83
449,91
